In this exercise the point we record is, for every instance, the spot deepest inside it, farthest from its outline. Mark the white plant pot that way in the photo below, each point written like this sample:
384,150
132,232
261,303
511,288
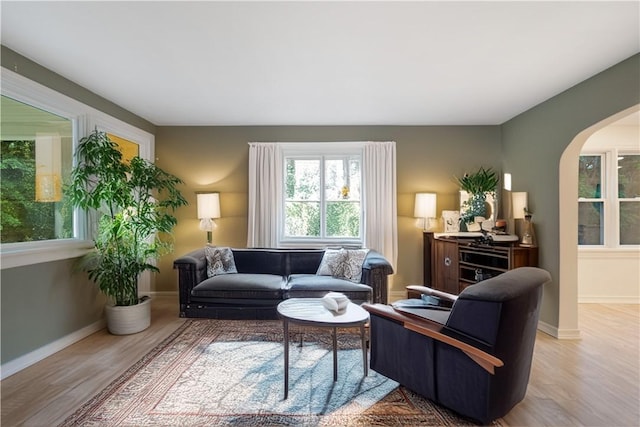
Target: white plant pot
130,319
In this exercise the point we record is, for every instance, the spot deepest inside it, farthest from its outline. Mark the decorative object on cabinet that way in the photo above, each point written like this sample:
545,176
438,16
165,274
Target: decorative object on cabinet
425,209
528,236
478,194
451,263
208,210
451,220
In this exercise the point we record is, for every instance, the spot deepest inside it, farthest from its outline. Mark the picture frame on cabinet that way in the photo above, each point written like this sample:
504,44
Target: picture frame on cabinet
451,221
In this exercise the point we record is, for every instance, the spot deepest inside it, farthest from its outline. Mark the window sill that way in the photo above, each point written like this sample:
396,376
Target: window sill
630,252
29,253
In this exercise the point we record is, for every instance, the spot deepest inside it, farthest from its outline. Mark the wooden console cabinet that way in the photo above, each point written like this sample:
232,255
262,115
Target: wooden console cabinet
452,263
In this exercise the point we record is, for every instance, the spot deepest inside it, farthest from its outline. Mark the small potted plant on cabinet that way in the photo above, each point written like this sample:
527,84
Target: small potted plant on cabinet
135,201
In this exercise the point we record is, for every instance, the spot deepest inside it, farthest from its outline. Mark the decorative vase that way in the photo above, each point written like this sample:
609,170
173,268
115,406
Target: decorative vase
128,319
475,205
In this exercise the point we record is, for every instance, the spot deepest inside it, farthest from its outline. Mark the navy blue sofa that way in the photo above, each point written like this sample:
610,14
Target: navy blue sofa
265,278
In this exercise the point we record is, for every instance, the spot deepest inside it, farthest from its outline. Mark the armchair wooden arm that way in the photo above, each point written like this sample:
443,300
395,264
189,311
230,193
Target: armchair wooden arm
433,330
429,291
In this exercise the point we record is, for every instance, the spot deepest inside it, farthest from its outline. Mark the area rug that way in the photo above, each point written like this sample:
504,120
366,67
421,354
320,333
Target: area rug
230,372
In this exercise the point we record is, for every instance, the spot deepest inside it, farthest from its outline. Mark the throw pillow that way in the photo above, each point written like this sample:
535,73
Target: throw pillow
352,264
219,261
343,263
331,263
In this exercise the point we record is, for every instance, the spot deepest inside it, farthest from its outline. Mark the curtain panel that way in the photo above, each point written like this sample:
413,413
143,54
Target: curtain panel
380,200
265,190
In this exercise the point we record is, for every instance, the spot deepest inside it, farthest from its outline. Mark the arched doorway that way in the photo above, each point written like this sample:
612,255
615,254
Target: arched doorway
568,219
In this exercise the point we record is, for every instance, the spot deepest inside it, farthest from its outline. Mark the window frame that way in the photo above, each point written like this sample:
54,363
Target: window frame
609,198
322,151
83,118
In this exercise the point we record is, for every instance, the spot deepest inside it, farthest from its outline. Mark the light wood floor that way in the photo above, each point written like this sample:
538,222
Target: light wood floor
594,381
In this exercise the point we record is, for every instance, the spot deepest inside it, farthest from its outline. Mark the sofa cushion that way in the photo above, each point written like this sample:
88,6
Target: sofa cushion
256,261
241,285
311,285
343,263
219,261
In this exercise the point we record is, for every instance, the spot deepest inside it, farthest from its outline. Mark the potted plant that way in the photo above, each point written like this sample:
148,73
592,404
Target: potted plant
478,185
135,201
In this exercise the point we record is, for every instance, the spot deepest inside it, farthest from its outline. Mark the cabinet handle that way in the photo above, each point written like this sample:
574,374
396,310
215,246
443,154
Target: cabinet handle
447,261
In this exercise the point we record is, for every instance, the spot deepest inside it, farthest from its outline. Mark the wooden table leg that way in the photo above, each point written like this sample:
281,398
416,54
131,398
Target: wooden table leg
285,322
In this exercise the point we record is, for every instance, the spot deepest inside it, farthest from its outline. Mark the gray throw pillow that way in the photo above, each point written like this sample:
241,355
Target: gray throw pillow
331,263
343,263
219,261
352,264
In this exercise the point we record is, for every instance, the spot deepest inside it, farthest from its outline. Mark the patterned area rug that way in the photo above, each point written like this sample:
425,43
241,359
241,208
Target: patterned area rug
230,372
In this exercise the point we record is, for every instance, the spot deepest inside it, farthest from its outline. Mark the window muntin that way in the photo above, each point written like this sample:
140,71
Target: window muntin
36,160
322,198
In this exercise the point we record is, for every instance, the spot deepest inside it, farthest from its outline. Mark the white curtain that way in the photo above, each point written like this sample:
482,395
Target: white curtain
265,188
380,201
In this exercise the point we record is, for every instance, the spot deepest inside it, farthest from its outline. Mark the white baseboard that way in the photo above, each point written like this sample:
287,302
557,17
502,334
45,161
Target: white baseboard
562,334
22,362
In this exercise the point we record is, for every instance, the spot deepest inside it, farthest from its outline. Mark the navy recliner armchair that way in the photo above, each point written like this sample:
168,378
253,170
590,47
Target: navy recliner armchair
474,359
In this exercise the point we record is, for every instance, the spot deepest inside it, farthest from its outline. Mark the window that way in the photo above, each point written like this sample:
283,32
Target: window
609,199
322,196
39,131
35,162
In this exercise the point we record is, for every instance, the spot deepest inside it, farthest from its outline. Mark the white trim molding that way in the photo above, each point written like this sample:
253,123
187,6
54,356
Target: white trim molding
563,334
23,362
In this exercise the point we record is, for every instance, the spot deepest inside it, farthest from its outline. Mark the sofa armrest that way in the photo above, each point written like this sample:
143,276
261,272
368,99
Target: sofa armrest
192,269
375,270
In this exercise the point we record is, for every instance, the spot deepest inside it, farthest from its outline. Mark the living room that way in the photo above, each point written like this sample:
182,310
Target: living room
530,145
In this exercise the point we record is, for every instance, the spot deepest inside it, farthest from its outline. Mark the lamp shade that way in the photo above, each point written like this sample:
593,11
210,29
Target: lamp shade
208,205
48,168
425,206
518,204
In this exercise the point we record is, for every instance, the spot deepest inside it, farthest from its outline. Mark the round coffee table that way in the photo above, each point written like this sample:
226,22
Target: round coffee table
311,312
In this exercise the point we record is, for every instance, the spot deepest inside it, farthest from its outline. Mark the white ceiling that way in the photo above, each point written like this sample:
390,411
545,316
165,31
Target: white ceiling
324,63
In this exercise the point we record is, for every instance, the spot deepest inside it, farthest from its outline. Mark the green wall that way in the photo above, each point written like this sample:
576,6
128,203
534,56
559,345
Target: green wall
533,142
43,303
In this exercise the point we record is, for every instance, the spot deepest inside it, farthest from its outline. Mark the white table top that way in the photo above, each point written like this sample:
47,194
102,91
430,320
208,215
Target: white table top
311,311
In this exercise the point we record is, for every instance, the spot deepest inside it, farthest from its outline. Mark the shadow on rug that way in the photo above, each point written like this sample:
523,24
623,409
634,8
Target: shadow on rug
230,372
